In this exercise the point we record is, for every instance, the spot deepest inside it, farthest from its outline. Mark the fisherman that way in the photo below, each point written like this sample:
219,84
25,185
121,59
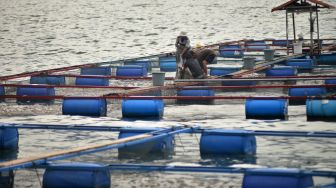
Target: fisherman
204,57
182,45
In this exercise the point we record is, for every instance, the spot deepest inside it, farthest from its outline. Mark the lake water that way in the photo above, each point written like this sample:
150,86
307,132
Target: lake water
38,35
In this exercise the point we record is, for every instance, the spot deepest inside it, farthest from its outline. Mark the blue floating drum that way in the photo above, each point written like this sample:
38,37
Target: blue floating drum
131,70
143,63
219,142
231,51
32,91
301,92
266,109
167,64
330,81
160,147
222,71
103,71
84,107
142,109
92,81
9,138
76,175
303,65
276,178
195,93
321,110
50,80
281,71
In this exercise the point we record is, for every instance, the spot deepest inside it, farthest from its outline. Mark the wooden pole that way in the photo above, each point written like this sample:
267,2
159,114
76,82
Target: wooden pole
71,151
287,32
294,29
318,32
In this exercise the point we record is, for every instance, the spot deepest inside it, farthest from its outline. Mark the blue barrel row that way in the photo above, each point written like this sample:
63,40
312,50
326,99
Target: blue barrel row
154,109
136,69
213,143
90,175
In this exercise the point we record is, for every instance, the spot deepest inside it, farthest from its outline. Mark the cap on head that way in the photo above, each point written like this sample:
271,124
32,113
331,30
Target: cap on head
183,33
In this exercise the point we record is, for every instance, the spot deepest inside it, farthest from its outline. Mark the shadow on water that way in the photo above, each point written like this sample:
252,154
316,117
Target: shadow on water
226,160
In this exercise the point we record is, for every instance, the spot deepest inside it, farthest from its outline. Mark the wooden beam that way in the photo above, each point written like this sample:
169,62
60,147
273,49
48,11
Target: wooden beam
45,156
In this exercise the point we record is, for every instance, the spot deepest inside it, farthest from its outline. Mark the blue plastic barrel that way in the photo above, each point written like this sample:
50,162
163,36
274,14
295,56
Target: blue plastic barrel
142,109
222,71
281,71
92,81
266,109
167,64
326,59
218,142
239,83
131,70
84,107
7,179
2,92
29,91
9,138
280,42
50,80
301,64
195,93
330,81
143,63
304,92
324,110
231,51
277,178
162,146
104,71
76,175
255,46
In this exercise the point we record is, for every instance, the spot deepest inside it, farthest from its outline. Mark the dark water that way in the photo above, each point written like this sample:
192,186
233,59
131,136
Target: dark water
39,35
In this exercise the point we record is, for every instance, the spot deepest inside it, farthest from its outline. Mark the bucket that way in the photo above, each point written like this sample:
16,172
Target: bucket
266,109
215,142
297,47
321,110
269,54
278,178
158,78
249,62
76,175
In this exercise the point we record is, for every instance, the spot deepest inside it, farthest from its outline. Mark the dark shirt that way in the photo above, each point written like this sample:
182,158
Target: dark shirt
205,54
